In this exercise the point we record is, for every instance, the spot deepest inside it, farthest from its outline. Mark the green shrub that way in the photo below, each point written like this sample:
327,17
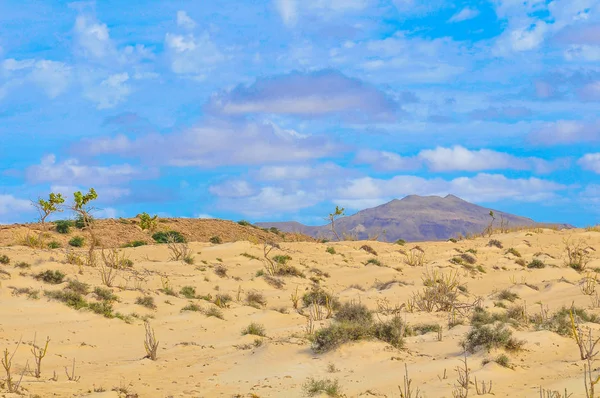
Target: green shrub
319,296
338,333
23,265
489,337
256,299
330,250
281,259
4,259
425,328
54,245
536,263
77,241
63,226
70,298
244,223
78,287
313,387
146,301
254,329
400,242
514,252
507,295
53,277
215,240
135,243
391,331
105,294
214,311
164,237
222,300
354,312
148,222
104,308
374,261
188,292
192,307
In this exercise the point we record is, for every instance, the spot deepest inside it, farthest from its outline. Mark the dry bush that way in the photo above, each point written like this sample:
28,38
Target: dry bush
39,354
107,274
496,243
221,271
406,391
578,254
256,299
368,249
150,342
11,385
415,257
440,293
179,250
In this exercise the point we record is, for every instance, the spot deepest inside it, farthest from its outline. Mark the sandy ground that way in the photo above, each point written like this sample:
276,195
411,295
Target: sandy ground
200,356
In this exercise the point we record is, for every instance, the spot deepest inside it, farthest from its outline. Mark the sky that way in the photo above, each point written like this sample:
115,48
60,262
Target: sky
280,110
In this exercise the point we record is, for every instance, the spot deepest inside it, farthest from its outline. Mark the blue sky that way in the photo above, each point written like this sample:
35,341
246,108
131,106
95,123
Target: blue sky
283,109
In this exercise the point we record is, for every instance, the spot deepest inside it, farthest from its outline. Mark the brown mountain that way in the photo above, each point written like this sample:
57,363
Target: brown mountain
413,218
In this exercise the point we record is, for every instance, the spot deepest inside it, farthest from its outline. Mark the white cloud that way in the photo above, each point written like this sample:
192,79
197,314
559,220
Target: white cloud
590,161
271,201
583,52
191,55
232,189
93,38
566,132
384,160
184,20
299,172
110,92
51,76
9,205
590,92
72,172
480,188
464,15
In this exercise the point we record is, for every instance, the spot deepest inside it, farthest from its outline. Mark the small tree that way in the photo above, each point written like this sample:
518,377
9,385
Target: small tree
147,222
82,208
46,208
339,212
490,228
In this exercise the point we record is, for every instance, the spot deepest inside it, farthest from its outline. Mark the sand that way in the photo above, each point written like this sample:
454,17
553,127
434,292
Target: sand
200,356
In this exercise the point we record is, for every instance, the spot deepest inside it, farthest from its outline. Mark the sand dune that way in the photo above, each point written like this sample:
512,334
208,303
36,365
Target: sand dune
202,356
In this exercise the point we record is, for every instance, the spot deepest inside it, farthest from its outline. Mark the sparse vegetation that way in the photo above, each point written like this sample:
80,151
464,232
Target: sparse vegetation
313,387
495,243
4,259
53,277
215,240
536,264
255,329
146,301
168,236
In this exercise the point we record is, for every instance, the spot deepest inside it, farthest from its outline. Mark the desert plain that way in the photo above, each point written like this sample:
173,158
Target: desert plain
248,314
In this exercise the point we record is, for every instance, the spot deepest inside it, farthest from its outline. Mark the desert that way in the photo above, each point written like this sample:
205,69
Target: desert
262,313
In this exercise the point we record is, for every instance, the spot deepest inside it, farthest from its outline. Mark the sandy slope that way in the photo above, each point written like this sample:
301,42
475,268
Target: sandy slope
203,356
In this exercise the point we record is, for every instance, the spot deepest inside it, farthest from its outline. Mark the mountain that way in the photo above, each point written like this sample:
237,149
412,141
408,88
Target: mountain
413,218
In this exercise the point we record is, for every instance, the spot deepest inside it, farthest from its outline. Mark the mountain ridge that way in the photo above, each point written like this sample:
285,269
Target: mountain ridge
413,218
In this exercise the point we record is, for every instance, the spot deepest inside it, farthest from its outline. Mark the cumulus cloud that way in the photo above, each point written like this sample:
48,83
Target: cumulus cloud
464,15
590,161
71,171
386,161
10,205
370,191
216,143
271,201
306,94
300,172
110,92
184,20
51,76
288,10
232,189
566,132
92,38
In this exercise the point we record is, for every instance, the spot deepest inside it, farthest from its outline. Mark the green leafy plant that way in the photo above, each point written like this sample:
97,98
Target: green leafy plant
168,236
63,226
77,241
53,277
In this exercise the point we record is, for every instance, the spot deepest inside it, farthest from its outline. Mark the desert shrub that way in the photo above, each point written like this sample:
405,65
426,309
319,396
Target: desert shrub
255,329
282,259
168,236
330,250
490,337
256,299
78,287
105,294
31,293
221,271
503,360
415,257
244,223
368,249
250,256
313,387
338,333
53,277
374,261
216,240
482,317
496,243
452,240
536,263
472,251
146,301
440,293
521,262
192,307
215,312
77,241
63,226
70,298
391,331
289,270
54,245
188,292
222,300
424,328
354,312
319,296
103,308
507,295
514,252
148,222
275,282
560,321
80,221
22,265
456,260
4,259
578,255
468,258
135,243
400,242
